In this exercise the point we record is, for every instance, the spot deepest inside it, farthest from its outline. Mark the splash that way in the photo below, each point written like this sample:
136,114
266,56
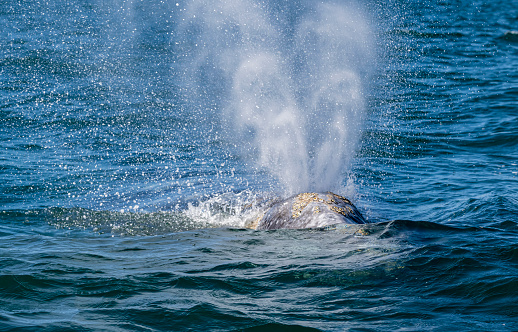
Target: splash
287,80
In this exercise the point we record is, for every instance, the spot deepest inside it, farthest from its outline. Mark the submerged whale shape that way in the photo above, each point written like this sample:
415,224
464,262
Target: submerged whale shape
310,210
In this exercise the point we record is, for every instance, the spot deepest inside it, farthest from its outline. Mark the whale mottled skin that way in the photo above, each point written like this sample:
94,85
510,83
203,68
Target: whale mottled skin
310,210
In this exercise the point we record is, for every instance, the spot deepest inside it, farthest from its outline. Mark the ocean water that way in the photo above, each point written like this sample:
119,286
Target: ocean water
138,139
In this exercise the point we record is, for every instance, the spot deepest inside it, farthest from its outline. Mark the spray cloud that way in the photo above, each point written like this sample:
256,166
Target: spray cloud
289,80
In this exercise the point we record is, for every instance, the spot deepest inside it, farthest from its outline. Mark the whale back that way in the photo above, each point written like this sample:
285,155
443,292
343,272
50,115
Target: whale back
310,210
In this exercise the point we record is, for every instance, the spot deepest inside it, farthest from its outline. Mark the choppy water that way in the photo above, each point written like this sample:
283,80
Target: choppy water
124,188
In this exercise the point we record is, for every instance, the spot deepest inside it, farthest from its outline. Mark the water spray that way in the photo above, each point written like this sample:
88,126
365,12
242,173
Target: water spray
289,83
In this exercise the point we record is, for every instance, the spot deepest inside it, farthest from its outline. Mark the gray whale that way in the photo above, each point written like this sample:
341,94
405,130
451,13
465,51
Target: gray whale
309,210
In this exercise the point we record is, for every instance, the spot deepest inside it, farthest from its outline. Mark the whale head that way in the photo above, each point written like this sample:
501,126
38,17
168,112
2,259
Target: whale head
310,210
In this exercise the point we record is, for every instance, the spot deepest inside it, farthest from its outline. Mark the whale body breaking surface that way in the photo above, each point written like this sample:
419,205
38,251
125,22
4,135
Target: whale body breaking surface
309,210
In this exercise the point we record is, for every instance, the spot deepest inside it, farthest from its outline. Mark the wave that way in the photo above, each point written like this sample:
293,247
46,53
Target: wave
216,278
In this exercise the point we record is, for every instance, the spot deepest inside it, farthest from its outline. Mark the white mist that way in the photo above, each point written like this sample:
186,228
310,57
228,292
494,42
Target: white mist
290,83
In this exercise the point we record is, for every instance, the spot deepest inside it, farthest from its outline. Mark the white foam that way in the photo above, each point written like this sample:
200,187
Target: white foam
229,210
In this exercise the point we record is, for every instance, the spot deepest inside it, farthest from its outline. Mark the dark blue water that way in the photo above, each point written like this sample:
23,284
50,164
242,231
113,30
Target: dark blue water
130,164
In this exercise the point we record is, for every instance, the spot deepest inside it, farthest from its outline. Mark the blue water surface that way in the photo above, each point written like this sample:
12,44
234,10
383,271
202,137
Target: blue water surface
124,193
